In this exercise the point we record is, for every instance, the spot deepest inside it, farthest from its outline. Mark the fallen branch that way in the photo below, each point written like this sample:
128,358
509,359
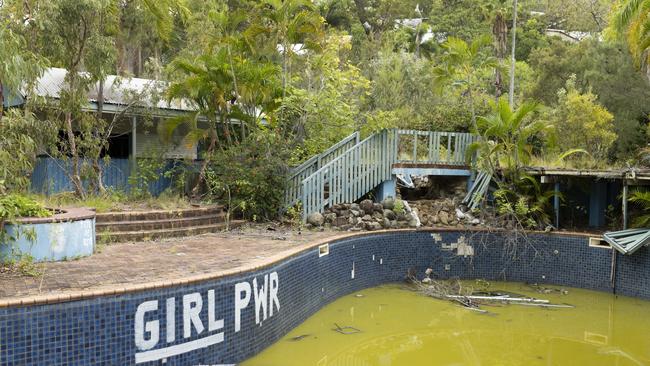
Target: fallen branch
500,298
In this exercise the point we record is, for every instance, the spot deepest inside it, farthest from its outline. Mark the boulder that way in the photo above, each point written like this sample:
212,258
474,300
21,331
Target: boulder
389,214
386,223
367,206
377,216
378,207
355,213
330,217
316,219
388,203
444,217
366,218
340,221
372,226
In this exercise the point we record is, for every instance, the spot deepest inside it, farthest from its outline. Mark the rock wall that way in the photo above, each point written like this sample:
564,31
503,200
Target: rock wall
366,215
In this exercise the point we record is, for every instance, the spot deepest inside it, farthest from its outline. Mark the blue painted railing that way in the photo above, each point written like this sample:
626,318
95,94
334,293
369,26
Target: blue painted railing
367,164
351,175
309,167
429,147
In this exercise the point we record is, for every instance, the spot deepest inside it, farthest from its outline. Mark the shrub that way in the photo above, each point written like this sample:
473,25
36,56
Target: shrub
250,177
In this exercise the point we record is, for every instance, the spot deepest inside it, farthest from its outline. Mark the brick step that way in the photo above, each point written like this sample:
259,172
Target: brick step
157,214
121,237
144,225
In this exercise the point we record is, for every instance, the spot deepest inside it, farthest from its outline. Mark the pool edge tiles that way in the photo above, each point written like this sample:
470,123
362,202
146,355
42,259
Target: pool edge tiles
225,320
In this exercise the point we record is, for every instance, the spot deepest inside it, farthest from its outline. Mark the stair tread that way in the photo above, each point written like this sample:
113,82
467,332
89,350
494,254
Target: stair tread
155,221
188,212
163,231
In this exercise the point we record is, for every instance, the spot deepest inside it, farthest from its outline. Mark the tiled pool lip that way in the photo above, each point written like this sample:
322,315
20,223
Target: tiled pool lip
252,266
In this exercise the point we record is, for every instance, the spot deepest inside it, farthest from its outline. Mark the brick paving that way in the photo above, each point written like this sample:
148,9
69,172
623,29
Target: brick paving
145,262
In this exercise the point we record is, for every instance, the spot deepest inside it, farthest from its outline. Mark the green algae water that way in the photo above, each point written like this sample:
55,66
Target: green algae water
399,327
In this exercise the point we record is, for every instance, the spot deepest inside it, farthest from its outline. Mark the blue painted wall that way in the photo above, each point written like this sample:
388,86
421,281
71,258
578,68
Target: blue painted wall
102,330
50,176
51,241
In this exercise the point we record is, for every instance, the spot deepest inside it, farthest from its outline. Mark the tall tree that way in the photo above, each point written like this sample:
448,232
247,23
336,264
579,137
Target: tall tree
287,26
633,20
77,36
20,67
462,64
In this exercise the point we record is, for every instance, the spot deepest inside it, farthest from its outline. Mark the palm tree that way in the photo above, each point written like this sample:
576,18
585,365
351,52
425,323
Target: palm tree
285,23
633,20
208,84
504,150
506,139
462,64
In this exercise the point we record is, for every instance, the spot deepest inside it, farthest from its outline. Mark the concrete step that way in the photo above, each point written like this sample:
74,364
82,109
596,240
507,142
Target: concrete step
126,236
158,214
144,225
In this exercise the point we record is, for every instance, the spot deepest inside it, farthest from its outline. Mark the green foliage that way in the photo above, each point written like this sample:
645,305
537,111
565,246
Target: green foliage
18,145
148,170
325,104
632,19
582,123
399,208
462,64
642,200
250,177
525,203
14,206
607,71
505,148
506,144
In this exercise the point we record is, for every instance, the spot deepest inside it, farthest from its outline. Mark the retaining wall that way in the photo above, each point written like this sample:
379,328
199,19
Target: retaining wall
228,317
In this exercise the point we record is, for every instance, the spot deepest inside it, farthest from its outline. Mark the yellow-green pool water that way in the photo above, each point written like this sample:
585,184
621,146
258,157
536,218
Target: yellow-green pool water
399,327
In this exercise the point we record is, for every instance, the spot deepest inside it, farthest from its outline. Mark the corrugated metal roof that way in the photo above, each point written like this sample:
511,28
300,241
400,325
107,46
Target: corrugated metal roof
117,90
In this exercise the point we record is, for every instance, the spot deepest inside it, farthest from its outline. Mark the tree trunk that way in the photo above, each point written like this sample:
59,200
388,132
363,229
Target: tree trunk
513,60
500,32
2,102
97,167
74,175
204,165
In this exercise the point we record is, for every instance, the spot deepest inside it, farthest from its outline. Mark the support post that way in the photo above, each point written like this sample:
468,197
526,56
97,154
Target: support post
597,204
556,204
625,193
386,189
134,164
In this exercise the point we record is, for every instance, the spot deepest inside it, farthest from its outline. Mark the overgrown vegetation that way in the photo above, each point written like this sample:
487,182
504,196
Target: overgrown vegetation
275,82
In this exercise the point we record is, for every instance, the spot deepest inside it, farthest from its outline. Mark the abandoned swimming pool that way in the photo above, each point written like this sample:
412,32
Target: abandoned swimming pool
228,317
395,326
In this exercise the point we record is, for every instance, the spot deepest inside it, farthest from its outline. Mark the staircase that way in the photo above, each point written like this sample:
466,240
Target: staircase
350,174
117,227
309,167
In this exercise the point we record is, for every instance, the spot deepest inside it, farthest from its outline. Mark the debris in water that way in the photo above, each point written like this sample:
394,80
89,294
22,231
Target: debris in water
359,295
473,300
547,290
299,338
346,330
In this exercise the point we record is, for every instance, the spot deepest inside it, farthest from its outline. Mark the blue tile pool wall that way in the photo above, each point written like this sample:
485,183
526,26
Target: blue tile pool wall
101,330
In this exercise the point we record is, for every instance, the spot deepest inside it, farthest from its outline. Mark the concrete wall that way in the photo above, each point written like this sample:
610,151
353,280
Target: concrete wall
65,236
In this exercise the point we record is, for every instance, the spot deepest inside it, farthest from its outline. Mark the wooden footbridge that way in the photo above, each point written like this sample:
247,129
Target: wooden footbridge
352,168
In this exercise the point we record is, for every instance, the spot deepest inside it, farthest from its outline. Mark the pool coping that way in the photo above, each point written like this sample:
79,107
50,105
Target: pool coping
66,215
253,265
